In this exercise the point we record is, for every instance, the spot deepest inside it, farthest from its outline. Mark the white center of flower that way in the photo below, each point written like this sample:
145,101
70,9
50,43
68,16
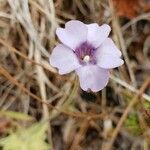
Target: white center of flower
86,58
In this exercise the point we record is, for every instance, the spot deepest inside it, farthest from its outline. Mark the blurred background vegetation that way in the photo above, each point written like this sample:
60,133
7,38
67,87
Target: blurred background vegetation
41,110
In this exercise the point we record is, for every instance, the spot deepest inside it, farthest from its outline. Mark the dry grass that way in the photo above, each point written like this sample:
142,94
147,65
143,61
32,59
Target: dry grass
76,119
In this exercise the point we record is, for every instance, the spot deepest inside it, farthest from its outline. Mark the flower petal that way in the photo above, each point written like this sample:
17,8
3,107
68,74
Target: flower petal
93,77
64,59
73,35
97,34
109,47
108,61
108,55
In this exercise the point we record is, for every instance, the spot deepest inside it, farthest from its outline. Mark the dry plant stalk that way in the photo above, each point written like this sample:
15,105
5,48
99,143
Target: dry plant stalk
126,112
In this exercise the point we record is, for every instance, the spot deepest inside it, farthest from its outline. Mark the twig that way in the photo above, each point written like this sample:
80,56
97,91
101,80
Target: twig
24,56
83,128
129,87
134,20
71,114
126,112
117,29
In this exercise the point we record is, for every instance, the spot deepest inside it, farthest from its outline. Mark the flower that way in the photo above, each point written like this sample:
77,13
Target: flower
89,51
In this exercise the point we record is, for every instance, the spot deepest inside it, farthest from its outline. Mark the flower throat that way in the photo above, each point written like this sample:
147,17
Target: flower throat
86,53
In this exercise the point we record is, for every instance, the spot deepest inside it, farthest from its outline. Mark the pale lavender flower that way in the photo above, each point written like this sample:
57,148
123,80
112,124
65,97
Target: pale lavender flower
87,50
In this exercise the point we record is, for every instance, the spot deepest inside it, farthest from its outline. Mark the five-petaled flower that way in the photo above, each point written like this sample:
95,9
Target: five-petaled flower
89,51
